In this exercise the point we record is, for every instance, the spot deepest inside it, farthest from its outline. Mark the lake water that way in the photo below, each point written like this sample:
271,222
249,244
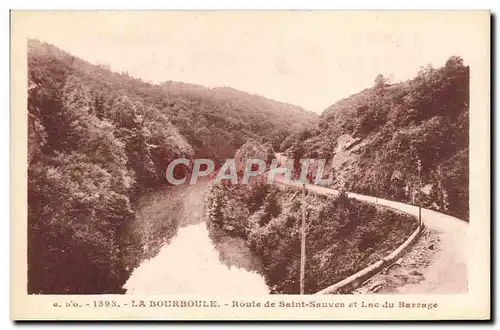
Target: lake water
190,264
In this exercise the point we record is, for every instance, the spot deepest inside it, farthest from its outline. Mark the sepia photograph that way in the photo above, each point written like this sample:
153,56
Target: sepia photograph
294,157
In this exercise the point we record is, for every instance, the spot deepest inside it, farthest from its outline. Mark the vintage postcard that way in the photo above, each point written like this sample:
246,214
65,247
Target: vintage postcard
250,165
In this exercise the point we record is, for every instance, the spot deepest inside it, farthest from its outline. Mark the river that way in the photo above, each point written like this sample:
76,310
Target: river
192,264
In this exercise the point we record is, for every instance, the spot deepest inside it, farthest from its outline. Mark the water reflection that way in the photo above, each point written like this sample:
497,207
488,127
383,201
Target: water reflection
190,265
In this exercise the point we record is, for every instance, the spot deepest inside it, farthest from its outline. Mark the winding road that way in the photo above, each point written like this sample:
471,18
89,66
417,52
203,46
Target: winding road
447,270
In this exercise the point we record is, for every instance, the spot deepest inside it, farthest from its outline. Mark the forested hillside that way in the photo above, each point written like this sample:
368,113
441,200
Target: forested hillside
98,139
376,138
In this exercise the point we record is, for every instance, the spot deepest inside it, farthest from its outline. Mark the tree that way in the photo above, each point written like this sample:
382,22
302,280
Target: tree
380,81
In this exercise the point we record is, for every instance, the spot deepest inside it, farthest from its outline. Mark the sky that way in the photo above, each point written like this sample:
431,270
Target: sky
307,58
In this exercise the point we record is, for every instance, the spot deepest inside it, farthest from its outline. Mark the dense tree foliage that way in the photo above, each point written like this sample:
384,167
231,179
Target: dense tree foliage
376,138
99,139
253,150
